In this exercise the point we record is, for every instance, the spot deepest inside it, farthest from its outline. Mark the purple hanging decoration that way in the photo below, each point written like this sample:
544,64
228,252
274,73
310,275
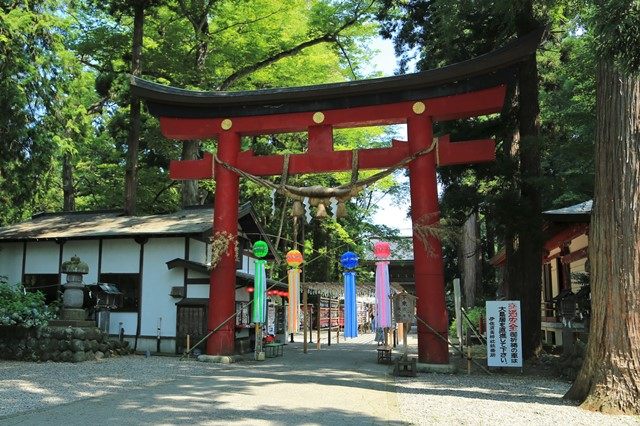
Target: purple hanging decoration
382,252
349,260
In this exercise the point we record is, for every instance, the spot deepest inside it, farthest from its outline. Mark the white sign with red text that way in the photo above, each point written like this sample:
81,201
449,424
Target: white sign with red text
504,334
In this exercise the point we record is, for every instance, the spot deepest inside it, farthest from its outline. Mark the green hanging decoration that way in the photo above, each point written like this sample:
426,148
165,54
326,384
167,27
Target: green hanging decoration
260,249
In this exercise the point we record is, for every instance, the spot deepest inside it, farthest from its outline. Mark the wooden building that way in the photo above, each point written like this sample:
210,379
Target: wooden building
159,262
565,273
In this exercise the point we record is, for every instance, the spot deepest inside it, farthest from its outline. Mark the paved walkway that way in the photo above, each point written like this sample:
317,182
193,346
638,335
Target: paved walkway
339,385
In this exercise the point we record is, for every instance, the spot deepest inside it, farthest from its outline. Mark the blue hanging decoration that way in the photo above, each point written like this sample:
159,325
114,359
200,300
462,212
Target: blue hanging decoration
349,260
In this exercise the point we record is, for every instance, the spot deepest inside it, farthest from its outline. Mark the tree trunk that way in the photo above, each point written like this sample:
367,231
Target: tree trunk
527,265
68,191
133,139
471,252
190,187
190,148
609,380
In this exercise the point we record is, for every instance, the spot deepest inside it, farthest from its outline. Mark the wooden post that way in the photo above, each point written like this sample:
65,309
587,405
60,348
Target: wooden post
318,330
305,323
338,329
468,351
329,329
188,344
405,333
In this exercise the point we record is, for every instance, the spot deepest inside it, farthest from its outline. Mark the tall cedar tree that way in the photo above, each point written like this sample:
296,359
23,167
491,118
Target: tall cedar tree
609,380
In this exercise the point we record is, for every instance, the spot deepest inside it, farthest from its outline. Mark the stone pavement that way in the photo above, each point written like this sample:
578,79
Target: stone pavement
341,384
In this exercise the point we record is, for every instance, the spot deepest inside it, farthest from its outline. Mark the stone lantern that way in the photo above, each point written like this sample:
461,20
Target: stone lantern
73,296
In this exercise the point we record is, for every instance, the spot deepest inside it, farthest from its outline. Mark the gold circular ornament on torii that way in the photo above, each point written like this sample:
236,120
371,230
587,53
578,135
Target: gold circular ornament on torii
419,107
226,124
318,117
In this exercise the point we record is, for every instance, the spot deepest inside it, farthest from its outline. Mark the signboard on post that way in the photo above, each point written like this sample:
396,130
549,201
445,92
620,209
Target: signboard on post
504,334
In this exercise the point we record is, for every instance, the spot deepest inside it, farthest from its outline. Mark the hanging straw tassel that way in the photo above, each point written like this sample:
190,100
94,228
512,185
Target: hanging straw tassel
297,210
342,210
321,211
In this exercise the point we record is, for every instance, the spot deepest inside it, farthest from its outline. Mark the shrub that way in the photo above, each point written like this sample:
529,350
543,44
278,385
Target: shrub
474,315
22,308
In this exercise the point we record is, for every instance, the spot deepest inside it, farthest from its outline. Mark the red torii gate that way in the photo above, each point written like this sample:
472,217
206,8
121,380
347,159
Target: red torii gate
468,89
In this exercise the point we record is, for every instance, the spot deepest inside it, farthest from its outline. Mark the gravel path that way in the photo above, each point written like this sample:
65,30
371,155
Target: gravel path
337,385
26,386
460,399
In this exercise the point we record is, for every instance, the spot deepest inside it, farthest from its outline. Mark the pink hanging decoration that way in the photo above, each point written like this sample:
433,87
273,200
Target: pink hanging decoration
383,303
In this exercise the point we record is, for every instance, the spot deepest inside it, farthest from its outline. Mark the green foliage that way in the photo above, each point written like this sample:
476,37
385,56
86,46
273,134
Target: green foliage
617,33
474,315
23,309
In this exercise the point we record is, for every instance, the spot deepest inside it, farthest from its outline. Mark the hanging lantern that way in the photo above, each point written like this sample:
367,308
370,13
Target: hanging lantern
260,249
349,260
249,289
382,250
294,258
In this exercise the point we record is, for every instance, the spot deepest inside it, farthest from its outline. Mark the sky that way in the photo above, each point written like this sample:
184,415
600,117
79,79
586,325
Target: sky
390,212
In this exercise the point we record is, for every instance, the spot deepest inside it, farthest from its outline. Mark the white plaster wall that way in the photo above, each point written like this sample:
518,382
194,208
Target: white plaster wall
251,269
129,322
195,274
121,256
42,258
157,281
11,262
197,251
200,291
87,251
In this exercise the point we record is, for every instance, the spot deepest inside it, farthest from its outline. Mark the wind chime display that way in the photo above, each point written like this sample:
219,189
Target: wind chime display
294,260
260,250
349,261
382,252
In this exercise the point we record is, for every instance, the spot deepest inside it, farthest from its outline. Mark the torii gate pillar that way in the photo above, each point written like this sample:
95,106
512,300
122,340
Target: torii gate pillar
222,284
428,264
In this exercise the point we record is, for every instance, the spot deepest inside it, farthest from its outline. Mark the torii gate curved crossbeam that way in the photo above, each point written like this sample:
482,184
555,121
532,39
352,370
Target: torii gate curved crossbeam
466,89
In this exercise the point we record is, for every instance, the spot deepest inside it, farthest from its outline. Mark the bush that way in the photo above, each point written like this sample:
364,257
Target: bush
474,315
22,308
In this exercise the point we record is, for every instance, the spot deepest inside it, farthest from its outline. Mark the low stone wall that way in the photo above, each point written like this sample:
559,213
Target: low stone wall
60,344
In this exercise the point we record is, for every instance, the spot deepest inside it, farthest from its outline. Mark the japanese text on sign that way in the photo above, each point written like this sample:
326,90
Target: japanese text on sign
504,334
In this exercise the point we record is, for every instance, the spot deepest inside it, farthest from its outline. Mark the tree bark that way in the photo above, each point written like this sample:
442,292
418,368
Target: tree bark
189,189
609,380
133,138
190,149
68,190
471,254
525,268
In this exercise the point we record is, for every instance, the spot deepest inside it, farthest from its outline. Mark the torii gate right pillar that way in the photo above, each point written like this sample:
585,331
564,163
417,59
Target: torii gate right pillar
428,263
